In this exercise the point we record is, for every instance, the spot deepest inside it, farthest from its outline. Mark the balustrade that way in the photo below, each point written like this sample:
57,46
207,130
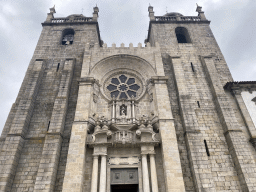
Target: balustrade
163,18
192,18
182,18
66,20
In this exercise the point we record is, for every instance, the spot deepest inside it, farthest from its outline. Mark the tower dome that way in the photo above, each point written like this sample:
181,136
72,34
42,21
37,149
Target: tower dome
172,14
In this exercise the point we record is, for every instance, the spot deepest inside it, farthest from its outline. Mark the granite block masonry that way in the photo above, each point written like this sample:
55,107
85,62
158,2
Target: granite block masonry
164,117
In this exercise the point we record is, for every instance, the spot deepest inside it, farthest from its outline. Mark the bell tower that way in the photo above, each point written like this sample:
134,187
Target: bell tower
204,116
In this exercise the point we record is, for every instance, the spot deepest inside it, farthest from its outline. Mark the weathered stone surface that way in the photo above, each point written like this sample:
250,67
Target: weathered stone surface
182,124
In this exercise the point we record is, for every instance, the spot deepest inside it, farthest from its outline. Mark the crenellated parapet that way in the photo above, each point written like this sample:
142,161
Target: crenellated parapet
148,55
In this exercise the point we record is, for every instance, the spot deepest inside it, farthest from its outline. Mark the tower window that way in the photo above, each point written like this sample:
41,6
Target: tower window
182,35
58,66
206,148
68,37
192,67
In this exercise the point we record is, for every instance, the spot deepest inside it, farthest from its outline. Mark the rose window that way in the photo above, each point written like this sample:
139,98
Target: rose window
123,87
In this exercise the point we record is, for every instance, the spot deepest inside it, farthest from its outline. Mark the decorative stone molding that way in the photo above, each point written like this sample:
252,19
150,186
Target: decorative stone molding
88,81
100,150
147,149
145,131
95,98
101,131
127,160
159,80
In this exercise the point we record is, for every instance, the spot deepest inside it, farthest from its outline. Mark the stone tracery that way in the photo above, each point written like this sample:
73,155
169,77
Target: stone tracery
122,87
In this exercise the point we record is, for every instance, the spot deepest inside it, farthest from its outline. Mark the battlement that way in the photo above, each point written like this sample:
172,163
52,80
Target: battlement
122,45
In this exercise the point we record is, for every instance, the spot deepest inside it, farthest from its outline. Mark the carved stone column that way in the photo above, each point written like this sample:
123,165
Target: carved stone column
113,110
154,182
133,111
94,182
145,173
103,171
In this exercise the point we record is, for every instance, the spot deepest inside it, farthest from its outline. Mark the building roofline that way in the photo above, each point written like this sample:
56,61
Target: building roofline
239,84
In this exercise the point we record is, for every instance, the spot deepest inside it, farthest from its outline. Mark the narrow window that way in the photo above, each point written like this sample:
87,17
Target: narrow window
68,37
192,67
182,35
58,66
48,125
206,148
198,104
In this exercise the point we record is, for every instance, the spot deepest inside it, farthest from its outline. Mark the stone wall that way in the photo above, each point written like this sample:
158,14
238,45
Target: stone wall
200,102
54,55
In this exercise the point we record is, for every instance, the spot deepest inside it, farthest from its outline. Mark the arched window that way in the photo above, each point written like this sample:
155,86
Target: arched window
182,35
67,37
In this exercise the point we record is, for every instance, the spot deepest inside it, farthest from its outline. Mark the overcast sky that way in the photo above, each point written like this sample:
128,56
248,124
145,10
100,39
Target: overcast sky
233,23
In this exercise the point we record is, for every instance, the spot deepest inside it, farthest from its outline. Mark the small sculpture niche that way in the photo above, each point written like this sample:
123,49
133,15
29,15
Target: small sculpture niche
123,110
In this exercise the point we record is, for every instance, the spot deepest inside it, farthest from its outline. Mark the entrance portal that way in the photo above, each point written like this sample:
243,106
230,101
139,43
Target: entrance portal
124,188
124,180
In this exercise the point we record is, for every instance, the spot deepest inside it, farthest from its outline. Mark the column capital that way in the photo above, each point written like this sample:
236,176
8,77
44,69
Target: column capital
95,156
147,150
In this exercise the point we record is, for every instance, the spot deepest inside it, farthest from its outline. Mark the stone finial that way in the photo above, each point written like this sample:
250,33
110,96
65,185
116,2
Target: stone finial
52,10
113,45
131,45
139,45
50,15
105,45
151,13
95,13
200,12
122,44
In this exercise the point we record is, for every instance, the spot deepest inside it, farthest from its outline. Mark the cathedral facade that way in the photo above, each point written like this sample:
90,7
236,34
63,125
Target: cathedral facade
164,117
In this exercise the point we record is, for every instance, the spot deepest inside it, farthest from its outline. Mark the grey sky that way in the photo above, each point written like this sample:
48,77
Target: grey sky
120,21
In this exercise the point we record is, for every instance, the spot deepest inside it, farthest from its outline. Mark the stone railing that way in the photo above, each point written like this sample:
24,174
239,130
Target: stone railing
124,137
190,18
75,20
163,18
174,18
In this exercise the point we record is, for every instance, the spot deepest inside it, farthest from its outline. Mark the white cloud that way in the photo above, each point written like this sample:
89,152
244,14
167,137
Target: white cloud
8,9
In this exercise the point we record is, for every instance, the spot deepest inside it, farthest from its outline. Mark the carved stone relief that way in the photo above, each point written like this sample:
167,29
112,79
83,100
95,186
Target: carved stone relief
124,160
